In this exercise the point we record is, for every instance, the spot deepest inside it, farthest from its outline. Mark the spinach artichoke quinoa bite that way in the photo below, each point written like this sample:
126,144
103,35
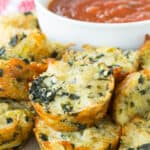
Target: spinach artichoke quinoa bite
120,62
132,97
15,75
72,97
22,38
16,124
26,20
103,136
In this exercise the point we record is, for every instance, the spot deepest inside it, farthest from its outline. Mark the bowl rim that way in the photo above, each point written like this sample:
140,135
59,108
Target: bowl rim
92,24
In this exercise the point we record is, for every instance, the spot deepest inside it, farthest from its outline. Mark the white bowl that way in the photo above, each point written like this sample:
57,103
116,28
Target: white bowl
62,29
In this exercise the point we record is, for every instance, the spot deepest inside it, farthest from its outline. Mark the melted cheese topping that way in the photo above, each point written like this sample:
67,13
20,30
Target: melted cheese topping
72,89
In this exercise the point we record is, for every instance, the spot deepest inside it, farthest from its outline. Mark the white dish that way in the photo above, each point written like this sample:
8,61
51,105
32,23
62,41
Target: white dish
62,29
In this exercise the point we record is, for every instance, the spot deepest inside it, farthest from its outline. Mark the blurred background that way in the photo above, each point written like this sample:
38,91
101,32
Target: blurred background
14,6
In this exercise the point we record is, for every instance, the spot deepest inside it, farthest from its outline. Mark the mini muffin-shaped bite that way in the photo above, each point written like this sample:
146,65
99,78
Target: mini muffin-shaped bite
16,124
144,54
15,75
24,21
72,97
32,47
136,135
132,97
8,32
22,39
57,50
120,62
102,136
17,23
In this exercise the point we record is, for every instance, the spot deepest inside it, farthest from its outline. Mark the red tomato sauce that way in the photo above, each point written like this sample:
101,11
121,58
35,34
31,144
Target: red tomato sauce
105,11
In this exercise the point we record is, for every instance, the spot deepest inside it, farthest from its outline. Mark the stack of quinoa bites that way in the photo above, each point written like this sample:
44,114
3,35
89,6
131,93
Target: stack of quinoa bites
94,99
73,96
24,51
131,105
72,101
16,117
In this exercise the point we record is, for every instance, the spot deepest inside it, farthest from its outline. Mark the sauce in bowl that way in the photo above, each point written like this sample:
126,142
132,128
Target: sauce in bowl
104,11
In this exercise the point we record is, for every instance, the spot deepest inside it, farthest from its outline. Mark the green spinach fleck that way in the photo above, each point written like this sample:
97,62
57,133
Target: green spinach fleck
14,40
44,137
2,51
74,97
9,120
1,72
67,107
141,79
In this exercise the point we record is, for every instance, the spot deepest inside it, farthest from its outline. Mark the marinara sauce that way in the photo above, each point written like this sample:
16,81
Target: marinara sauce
106,11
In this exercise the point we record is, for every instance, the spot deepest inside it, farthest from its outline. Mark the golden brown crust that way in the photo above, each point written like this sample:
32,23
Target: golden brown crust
64,123
89,139
39,68
15,75
16,124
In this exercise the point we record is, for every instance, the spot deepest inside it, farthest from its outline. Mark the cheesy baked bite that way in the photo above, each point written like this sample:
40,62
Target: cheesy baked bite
132,97
8,32
120,62
16,124
71,98
136,135
25,20
15,75
144,54
32,47
102,136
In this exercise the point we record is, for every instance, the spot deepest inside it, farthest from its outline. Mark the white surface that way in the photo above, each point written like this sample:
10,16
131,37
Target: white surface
125,35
